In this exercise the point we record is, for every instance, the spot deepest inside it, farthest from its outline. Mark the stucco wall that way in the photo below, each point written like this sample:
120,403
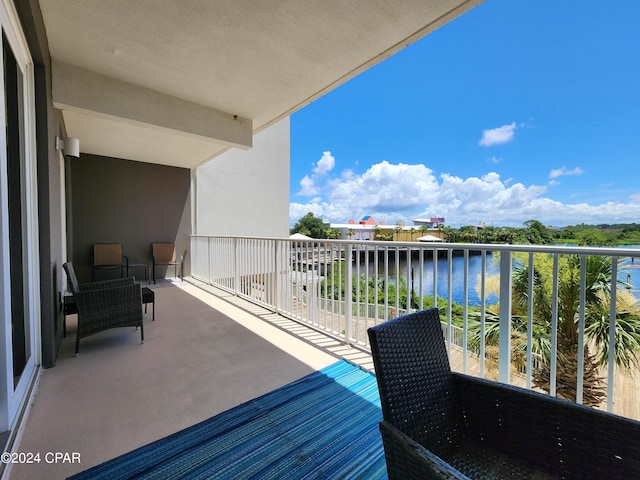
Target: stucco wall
246,192
131,203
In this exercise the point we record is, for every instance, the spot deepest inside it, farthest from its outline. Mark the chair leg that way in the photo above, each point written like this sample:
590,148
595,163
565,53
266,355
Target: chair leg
141,332
77,345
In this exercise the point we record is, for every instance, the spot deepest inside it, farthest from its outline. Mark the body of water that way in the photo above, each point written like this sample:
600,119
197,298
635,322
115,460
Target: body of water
628,271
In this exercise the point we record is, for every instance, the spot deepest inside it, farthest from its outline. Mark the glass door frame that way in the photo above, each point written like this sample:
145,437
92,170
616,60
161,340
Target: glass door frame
13,394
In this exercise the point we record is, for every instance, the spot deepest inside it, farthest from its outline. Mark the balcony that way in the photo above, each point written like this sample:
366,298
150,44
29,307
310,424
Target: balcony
494,330
203,354
259,313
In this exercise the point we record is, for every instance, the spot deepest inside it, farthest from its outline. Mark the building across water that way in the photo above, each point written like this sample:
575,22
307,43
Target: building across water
368,229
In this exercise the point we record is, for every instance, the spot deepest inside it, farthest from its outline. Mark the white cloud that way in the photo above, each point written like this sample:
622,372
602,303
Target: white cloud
385,186
325,164
335,213
308,187
497,136
494,159
309,183
392,192
564,171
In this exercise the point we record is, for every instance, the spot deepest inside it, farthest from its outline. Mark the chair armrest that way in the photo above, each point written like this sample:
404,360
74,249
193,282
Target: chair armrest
117,282
554,434
407,459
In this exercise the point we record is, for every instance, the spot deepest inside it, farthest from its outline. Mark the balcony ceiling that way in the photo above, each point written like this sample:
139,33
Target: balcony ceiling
179,82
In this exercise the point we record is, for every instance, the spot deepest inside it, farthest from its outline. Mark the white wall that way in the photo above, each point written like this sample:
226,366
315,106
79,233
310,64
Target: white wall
246,192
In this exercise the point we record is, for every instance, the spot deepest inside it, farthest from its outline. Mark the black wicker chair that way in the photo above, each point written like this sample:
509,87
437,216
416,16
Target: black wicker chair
106,304
439,424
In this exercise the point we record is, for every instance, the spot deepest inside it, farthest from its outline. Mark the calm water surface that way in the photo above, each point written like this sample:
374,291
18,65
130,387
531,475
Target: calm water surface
628,271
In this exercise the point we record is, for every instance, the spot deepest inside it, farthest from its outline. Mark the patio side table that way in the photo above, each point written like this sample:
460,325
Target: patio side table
140,265
69,308
149,296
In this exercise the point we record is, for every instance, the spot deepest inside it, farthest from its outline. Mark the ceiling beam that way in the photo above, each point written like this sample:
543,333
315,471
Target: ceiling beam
82,90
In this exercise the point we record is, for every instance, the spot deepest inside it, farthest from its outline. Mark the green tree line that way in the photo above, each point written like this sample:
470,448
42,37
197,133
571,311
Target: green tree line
532,232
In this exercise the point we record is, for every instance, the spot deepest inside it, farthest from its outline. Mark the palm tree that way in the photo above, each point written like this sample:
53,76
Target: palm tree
333,233
596,340
450,234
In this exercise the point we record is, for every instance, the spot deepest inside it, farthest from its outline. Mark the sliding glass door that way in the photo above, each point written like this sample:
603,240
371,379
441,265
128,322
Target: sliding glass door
19,294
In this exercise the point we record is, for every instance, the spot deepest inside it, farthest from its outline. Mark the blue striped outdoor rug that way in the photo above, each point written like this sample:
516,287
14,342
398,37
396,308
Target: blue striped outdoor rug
323,426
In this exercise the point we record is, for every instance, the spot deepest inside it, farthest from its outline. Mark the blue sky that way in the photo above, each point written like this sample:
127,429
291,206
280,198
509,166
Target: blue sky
516,110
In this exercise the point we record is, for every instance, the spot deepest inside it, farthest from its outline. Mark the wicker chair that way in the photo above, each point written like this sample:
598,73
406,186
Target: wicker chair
439,424
106,304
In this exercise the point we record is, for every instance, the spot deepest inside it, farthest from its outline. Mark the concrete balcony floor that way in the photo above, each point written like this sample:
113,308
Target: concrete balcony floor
205,353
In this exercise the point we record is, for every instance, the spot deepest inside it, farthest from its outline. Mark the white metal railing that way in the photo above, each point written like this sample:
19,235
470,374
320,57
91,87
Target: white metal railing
344,287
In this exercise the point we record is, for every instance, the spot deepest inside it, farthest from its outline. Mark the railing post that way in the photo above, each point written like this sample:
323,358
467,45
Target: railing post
236,269
278,247
210,256
553,366
348,290
612,332
312,291
192,248
504,346
581,329
530,293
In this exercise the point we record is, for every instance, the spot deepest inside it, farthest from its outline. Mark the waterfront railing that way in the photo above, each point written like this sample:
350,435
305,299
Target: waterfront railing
344,287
